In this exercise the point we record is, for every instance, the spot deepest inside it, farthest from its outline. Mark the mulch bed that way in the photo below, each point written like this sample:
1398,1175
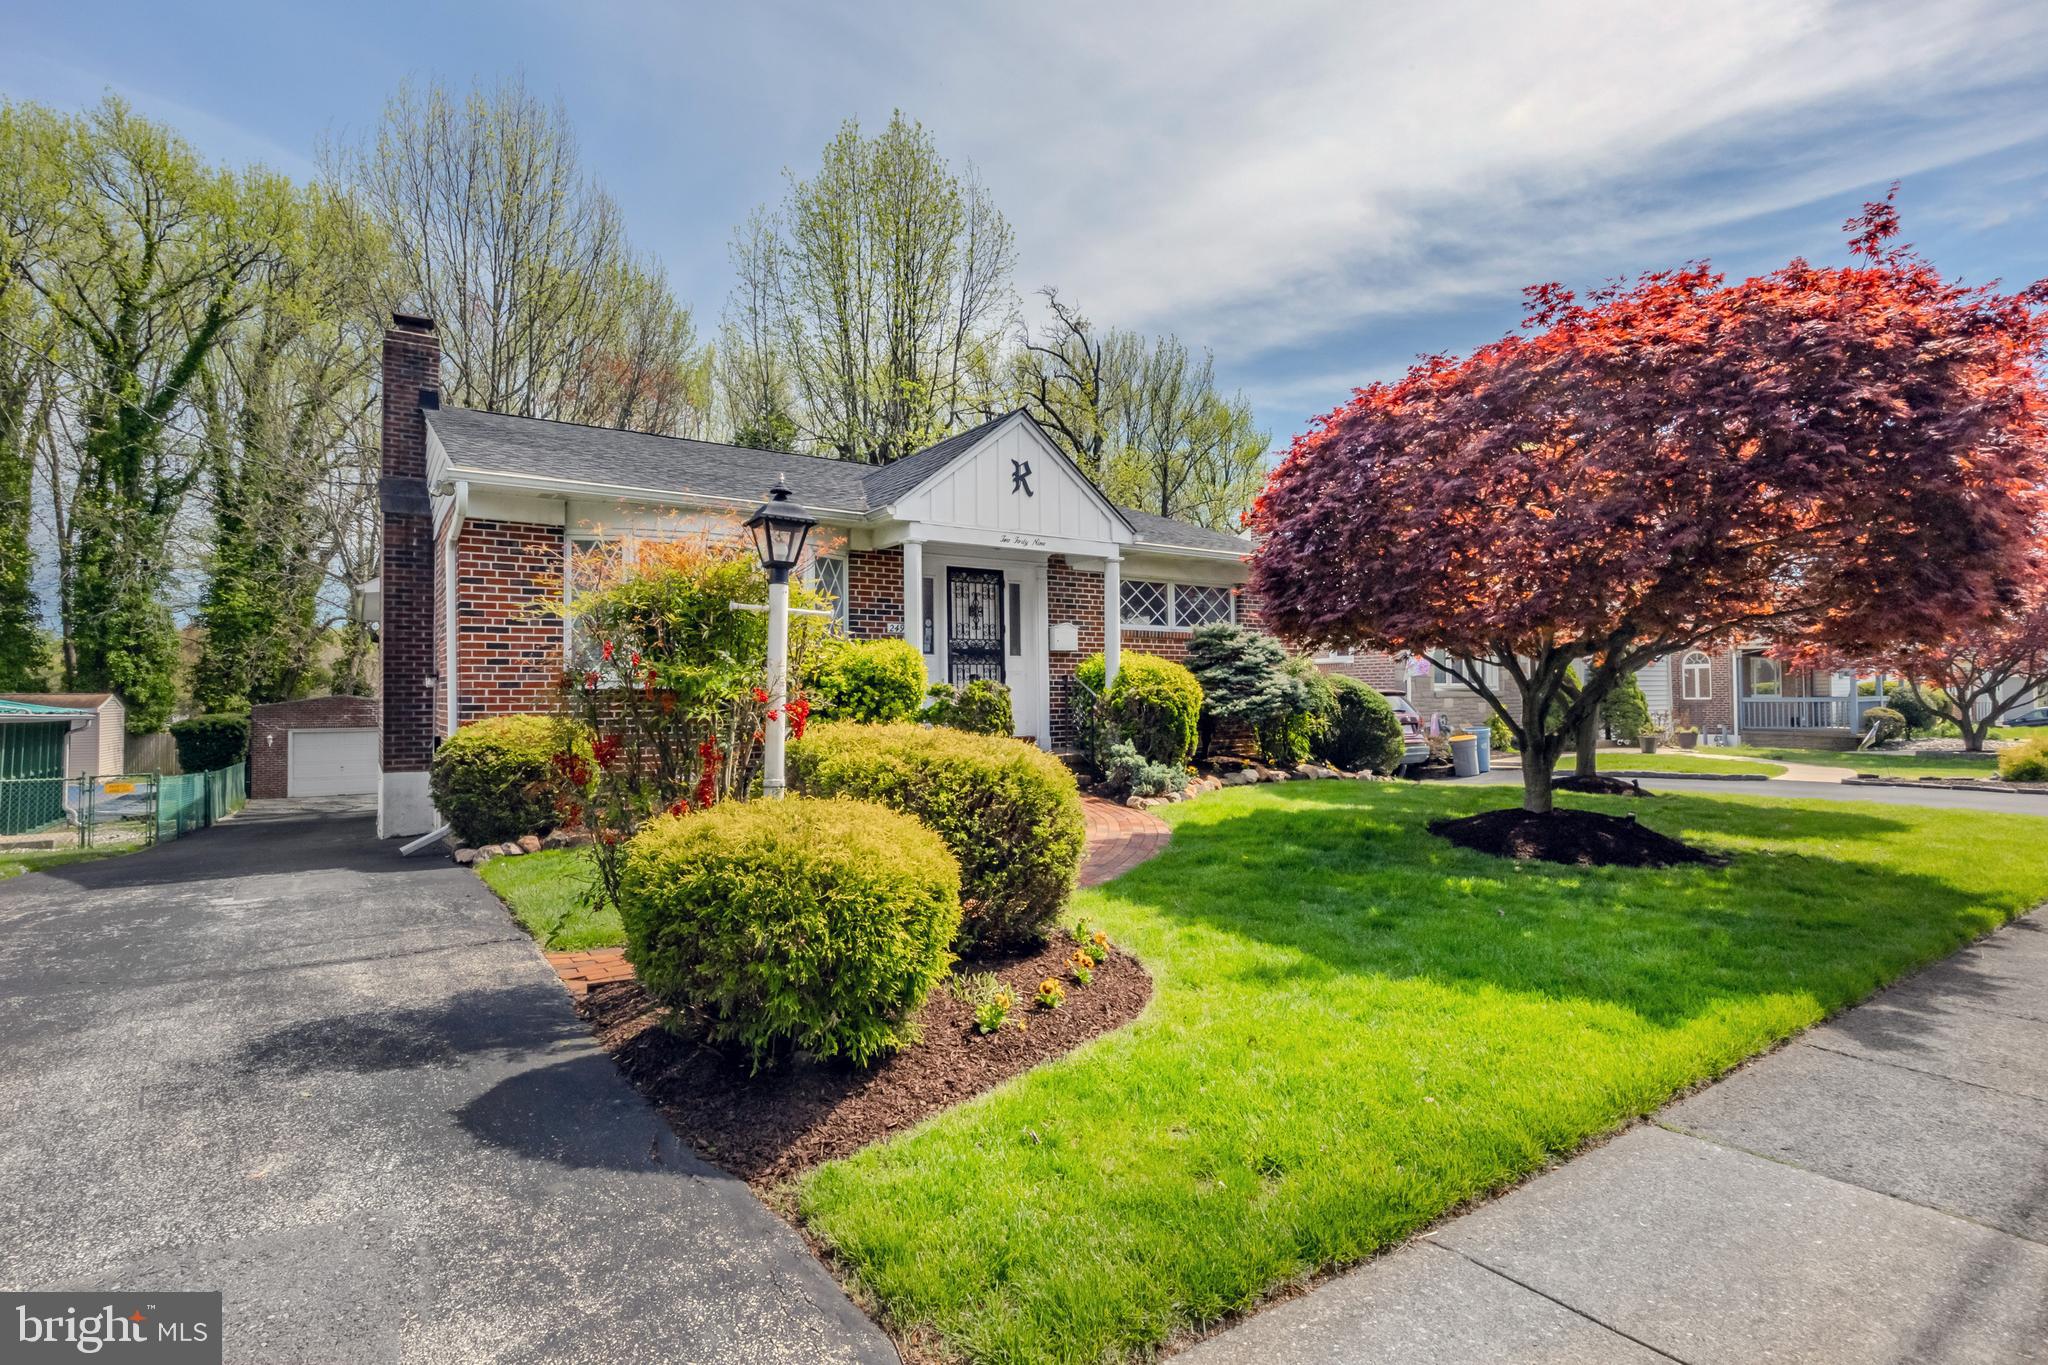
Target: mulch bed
1582,837
768,1127
1599,786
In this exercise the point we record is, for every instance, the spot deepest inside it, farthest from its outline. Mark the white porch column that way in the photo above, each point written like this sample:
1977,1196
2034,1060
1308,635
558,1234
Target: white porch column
913,592
1112,619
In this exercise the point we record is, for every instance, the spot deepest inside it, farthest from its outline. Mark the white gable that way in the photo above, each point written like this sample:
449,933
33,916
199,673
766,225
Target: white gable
1015,481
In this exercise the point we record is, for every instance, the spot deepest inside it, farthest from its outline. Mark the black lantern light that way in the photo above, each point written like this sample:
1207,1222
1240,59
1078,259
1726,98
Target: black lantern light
779,527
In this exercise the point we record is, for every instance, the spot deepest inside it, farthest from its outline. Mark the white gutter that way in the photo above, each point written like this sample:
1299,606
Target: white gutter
567,488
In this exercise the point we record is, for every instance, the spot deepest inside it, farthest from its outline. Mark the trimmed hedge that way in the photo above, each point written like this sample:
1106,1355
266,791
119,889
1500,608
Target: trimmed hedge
1366,733
2024,762
981,707
1155,703
1890,724
1009,812
495,779
219,740
819,925
869,681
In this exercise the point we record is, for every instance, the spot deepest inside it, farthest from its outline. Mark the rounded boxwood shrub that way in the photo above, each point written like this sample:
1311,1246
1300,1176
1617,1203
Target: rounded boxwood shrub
981,707
495,779
1890,724
218,740
1155,703
819,925
2024,762
1009,812
871,681
1365,733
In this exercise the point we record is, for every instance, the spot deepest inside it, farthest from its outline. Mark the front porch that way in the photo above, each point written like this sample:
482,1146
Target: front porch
1798,708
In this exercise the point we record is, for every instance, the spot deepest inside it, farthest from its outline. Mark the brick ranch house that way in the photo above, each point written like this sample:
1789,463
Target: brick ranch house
990,550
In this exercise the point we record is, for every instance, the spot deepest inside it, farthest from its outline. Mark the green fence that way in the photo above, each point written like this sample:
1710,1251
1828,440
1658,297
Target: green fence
122,808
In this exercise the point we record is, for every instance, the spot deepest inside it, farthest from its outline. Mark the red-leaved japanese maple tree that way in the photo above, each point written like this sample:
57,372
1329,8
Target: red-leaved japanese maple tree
1970,673
1851,456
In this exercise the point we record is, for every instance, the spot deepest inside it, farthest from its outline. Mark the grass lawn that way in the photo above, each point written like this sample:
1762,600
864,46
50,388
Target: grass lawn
1358,1027
14,862
1886,765
548,888
1674,763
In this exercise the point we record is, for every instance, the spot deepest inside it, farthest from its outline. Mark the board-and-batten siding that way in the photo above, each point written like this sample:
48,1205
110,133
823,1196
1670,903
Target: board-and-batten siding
979,492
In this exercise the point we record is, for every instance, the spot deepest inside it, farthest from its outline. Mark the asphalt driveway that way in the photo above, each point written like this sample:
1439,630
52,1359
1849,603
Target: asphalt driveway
277,1060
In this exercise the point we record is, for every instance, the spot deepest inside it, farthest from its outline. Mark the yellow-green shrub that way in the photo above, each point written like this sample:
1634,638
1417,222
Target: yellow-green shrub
1009,812
495,778
872,681
2024,762
1155,703
819,925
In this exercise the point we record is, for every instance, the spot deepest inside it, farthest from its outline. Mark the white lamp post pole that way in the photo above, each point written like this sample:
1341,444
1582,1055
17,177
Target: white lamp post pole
772,779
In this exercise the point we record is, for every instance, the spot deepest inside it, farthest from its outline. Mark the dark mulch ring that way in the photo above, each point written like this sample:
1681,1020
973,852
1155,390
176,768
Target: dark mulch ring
1600,786
1583,837
768,1127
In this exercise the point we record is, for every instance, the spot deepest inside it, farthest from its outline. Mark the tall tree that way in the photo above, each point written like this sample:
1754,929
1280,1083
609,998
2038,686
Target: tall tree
1142,418
148,262
878,292
1856,456
523,261
29,384
282,404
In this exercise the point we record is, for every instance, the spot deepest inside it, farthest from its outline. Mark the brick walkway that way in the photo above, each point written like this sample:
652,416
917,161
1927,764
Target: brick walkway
1119,838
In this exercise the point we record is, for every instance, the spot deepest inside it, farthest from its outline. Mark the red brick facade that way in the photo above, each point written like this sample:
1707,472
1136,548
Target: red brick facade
1714,711
874,594
508,579
270,728
412,375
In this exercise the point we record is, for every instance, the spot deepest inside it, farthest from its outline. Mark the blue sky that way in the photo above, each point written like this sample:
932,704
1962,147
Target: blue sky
1316,192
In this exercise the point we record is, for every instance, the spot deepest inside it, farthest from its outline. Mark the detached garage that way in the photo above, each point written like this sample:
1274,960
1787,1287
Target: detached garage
321,746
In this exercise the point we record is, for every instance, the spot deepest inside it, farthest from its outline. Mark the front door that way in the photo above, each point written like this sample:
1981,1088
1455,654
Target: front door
974,625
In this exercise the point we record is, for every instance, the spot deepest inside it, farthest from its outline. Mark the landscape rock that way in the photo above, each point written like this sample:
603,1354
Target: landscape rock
1135,802
529,843
465,856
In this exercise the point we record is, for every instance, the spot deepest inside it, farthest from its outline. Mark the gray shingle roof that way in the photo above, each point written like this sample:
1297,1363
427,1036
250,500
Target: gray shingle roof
490,442
1153,529
495,443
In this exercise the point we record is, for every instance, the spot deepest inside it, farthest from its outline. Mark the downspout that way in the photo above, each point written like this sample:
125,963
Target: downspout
456,517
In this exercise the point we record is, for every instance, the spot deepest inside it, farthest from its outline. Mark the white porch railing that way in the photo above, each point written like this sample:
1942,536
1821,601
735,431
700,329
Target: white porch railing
1805,713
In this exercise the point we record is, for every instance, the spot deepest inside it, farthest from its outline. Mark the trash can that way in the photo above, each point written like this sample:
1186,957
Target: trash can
1485,738
1464,755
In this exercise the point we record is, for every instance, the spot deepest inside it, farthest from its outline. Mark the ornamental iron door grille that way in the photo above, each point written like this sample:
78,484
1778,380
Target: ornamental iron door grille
974,625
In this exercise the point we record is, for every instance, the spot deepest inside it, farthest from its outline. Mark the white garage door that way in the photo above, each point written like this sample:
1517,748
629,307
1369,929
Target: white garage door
333,763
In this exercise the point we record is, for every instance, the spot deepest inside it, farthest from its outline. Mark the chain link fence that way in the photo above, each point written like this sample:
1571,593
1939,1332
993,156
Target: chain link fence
122,808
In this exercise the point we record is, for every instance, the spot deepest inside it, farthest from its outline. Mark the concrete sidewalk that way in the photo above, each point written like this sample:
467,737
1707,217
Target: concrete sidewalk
1877,1191
277,1060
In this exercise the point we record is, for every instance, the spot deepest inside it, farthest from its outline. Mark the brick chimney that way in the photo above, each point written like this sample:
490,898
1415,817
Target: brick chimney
412,384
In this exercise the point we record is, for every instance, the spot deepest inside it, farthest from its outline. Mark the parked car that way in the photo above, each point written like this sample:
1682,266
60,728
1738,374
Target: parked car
2037,716
1414,735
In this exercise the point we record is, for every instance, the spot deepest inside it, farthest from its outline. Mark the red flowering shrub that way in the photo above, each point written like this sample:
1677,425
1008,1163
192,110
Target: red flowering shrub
669,681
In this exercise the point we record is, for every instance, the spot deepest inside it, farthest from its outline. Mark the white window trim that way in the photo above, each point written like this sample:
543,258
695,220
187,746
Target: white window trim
1489,672
1172,589
1705,671
842,607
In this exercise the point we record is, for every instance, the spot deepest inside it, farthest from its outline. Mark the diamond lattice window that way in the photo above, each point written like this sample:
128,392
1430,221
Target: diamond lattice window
1144,603
1200,606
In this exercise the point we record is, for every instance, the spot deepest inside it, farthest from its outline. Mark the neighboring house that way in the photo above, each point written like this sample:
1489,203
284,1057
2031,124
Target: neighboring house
34,749
989,550
1746,695
96,748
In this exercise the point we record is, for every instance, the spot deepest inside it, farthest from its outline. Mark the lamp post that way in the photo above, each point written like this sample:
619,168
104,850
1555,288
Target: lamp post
779,528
